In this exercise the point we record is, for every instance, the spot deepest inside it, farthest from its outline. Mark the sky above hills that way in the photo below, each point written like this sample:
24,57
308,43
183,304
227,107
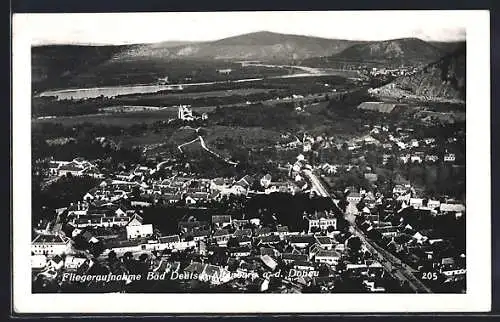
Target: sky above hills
128,28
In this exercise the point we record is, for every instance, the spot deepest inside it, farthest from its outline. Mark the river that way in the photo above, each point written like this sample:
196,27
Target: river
112,91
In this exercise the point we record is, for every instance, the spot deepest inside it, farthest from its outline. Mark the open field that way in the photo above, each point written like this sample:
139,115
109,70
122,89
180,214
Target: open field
121,119
221,93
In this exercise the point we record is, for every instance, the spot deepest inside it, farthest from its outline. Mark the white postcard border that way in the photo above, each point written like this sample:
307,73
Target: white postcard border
478,226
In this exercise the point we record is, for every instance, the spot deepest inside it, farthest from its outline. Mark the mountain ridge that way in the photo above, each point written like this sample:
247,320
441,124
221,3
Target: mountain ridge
57,64
403,51
262,45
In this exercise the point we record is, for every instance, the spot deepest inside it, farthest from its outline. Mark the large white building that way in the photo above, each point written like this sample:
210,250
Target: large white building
139,231
321,220
185,113
354,197
77,167
330,257
50,245
140,245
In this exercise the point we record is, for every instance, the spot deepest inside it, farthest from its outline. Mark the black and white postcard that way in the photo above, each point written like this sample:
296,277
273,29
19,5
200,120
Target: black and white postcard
250,162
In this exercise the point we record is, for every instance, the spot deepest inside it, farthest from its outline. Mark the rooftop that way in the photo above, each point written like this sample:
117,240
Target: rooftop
219,219
50,239
221,232
169,239
328,253
243,232
324,240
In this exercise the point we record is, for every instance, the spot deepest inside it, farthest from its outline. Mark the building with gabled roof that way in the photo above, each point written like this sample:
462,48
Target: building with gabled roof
188,226
221,220
321,220
282,231
50,245
291,257
246,182
267,240
169,239
269,262
139,230
197,235
330,257
222,236
301,241
243,232
325,242
262,231
210,273
273,252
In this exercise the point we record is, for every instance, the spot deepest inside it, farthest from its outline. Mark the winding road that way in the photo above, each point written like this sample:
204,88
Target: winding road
205,147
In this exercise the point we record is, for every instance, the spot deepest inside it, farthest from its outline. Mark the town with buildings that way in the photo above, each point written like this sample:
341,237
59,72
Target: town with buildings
365,238
253,164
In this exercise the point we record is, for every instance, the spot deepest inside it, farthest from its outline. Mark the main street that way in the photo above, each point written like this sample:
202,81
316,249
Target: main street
391,263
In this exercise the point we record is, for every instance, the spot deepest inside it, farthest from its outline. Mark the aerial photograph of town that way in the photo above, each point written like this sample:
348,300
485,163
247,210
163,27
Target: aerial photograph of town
302,158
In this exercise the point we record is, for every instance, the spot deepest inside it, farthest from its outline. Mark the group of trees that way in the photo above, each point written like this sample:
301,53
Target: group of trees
59,194
50,106
438,180
287,209
254,115
84,144
272,209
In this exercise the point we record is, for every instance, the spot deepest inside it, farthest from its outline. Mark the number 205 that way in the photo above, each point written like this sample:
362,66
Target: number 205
430,276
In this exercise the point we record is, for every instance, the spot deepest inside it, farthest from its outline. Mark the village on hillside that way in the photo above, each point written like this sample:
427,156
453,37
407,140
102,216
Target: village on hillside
211,235
263,162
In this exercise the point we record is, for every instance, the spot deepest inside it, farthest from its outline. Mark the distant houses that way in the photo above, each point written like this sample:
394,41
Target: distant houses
224,71
77,167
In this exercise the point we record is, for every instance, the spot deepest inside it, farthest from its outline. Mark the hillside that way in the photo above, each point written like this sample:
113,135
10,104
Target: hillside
70,66
441,80
53,65
447,47
388,53
406,51
263,46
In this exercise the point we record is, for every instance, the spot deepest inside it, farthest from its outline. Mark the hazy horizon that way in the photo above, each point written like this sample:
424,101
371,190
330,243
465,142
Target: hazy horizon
201,41
143,28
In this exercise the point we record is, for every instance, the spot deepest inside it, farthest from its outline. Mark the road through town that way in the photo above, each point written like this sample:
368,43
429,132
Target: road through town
392,264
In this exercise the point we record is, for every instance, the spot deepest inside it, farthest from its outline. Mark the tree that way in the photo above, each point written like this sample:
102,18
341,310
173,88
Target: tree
375,234
323,270
96,249
354,244
361,205
128,256
112,256
341,266
343,204
233,242
315,230
80,242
